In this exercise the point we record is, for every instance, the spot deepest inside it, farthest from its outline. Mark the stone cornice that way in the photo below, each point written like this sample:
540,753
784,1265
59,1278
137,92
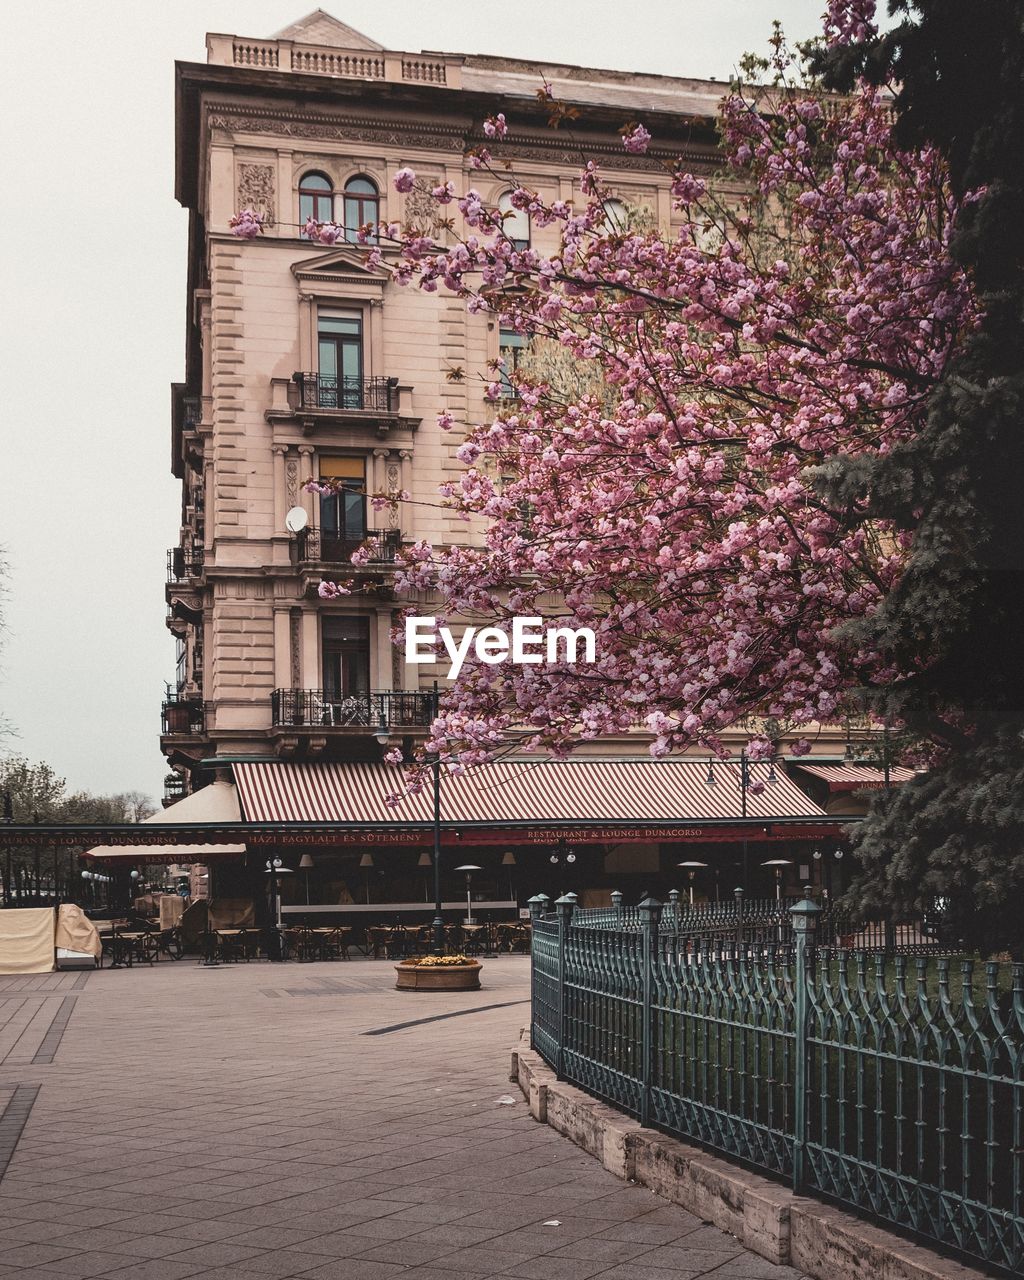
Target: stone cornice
553,148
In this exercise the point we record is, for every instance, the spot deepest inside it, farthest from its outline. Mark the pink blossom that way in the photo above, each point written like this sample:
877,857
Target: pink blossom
405,180
332,591
495,126
636,140
247,225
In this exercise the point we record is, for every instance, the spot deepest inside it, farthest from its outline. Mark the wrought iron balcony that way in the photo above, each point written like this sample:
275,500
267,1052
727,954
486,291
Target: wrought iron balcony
184,563
183,715
315,545
174,788
318,391
318,708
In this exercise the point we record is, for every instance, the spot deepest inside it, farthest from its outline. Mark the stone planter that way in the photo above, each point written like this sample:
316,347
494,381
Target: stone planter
447,977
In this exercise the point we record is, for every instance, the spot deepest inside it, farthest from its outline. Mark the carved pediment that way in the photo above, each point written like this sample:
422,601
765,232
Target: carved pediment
339,264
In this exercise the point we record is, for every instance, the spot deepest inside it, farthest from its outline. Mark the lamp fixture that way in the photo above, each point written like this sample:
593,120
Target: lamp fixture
710,780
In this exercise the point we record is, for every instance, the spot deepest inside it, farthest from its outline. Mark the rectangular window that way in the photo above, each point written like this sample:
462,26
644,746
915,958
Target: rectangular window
340,352
346,667
343,514
510,348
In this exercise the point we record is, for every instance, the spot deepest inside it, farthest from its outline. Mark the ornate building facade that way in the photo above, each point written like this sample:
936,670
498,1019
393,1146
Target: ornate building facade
303,362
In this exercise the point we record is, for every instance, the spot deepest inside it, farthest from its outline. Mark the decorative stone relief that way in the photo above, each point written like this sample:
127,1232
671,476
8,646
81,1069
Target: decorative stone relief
256,189
396,656
300,127
294,623
421,209
292,482
393,486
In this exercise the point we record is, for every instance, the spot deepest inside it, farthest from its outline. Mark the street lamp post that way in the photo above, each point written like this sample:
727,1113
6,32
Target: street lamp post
383,736
746,778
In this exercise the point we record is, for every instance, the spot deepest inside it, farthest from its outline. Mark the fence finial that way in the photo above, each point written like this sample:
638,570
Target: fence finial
566,904
537,904
804,915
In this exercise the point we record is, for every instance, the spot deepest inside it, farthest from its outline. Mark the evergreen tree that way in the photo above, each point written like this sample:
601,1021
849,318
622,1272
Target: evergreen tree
957,615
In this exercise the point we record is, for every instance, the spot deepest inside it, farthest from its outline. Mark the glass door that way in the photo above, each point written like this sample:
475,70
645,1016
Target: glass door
340,353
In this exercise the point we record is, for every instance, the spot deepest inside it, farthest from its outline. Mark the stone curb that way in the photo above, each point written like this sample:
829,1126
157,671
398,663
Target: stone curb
816,1238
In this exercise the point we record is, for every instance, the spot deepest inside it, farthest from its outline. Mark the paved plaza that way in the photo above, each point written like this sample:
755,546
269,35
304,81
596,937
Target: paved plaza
303,1120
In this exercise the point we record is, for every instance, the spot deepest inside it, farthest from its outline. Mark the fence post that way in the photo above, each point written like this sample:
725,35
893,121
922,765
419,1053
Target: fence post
804,916
673,905
536,904
738,894
617,904
564,905
650,917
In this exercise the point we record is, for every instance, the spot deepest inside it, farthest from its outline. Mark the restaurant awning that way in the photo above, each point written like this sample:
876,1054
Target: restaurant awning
582,799
216,803
855,777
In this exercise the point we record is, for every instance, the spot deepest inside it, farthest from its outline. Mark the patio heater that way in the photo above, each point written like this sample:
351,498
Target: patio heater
778,865
691,869
469,868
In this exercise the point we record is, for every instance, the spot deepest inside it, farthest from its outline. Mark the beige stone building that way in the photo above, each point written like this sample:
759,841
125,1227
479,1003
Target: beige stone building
303,362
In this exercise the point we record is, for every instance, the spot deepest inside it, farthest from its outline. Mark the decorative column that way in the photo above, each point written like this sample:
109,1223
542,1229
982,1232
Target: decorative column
306,499
280,492
377,482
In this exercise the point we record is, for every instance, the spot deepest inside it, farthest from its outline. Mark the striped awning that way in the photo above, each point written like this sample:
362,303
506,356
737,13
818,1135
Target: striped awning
856,777
517,792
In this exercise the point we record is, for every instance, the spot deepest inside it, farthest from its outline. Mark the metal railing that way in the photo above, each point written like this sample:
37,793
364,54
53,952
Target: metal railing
318,391
184,563
183,715
892,1085
322,709
382,545
738,922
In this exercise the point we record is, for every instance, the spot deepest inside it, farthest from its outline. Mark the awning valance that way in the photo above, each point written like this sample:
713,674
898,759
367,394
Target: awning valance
856,777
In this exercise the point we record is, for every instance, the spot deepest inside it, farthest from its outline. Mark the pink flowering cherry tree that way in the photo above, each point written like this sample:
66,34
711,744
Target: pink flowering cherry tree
691,518
688,524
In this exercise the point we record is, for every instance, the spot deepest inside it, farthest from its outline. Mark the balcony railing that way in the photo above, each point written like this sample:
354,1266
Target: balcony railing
184,563
184,715
318,391
318,708
315,545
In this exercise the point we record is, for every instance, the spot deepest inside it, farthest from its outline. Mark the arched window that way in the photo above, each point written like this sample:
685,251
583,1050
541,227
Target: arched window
316,199
517,224
616,218
362,205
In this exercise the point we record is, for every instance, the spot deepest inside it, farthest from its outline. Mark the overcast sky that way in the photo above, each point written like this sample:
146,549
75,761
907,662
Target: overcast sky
93,250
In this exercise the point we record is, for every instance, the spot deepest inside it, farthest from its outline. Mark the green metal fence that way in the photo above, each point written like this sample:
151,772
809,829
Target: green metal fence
892,1084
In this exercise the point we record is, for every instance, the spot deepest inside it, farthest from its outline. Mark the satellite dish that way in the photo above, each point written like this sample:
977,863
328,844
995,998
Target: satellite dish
296,520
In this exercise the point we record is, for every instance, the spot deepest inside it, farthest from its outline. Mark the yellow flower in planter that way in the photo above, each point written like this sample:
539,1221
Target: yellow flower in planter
432,962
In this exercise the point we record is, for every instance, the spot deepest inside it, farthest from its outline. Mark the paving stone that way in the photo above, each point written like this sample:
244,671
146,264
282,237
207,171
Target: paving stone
288,1144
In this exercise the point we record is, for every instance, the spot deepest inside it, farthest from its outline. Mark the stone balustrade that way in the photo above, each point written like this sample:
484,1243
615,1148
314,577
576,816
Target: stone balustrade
324,60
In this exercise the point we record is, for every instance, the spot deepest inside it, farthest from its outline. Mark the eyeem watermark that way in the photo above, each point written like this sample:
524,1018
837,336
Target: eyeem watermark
530,642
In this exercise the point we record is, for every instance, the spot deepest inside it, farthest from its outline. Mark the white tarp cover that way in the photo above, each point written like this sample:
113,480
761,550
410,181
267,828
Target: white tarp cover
26,940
